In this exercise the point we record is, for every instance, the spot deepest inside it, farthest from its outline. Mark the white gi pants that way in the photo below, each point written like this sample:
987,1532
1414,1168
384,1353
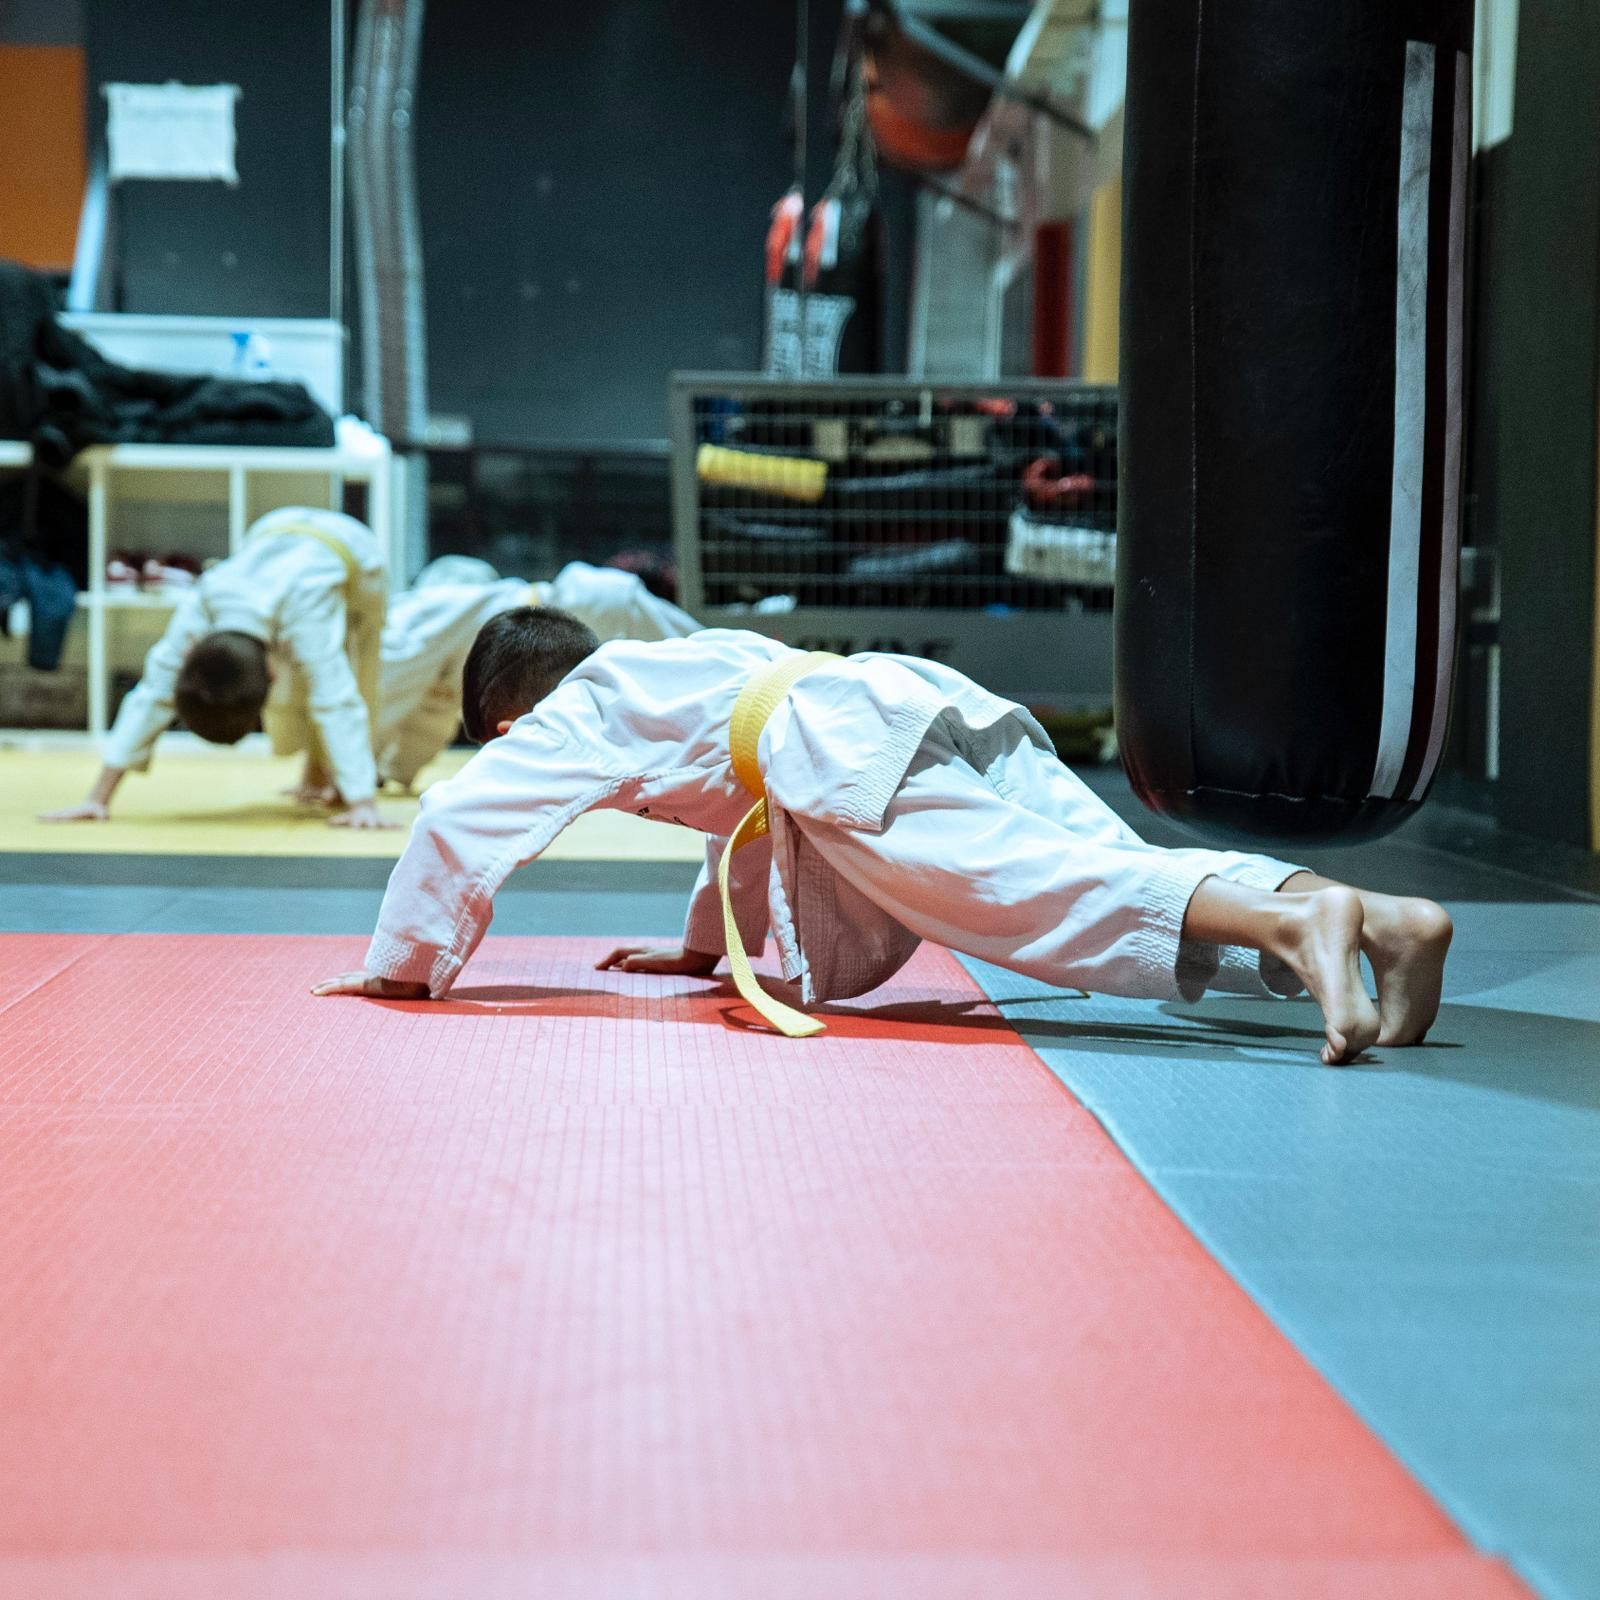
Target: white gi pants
994,848
426,733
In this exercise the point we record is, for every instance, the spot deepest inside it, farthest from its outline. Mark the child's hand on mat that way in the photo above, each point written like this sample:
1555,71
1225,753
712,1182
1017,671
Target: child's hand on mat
96,806
89,811
315,788
672,959
363,814
373,988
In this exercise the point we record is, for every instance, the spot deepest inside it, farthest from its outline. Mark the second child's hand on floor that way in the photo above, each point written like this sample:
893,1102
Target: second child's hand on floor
315,788
631,958
673,960
373,988
305,794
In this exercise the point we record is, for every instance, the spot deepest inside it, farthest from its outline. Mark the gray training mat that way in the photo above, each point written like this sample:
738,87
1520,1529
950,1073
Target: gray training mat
1425,1225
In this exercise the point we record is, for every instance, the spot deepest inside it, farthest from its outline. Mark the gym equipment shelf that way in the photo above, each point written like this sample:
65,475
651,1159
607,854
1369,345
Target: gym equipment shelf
973,523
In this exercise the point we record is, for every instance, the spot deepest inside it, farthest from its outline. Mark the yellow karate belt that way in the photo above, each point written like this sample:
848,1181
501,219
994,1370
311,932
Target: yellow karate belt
759,698
362,650
352,577
309,530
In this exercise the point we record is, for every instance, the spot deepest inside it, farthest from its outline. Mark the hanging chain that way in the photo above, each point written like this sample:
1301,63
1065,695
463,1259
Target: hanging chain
857,166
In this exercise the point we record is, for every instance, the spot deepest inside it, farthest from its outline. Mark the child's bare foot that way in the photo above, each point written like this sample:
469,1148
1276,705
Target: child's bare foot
1320,939
1406,941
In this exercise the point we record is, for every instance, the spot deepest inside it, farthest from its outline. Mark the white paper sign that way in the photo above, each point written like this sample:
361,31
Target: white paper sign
172,130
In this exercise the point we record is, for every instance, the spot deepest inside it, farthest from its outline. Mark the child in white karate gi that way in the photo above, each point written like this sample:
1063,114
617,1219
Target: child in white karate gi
905,803
431,627
283,635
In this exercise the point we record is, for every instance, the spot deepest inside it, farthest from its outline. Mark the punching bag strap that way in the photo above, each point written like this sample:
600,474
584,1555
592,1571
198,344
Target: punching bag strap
855,177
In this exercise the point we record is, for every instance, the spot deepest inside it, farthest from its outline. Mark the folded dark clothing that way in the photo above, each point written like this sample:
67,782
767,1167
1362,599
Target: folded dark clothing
26,304
98,403
59,392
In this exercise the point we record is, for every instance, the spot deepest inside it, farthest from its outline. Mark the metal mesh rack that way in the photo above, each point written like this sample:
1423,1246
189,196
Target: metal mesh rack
972,522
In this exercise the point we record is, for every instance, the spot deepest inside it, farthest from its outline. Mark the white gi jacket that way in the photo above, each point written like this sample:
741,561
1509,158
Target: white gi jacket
294,595
430,632
644,728
616,604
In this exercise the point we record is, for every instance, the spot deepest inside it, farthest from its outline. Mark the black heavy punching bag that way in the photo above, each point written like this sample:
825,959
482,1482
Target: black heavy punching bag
1295,184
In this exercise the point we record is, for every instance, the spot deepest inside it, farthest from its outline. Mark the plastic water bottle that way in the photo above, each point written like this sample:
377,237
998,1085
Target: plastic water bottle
252,355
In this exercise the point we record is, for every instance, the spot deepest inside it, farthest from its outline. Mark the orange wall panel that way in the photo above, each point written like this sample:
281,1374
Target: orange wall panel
42,152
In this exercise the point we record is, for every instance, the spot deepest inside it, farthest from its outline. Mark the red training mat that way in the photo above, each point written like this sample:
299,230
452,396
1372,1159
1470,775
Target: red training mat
572,1287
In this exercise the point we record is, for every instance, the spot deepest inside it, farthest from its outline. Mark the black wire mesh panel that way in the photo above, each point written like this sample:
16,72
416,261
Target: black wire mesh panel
897,495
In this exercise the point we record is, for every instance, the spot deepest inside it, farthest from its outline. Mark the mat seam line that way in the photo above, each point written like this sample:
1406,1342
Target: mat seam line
1471,1529
45,982
1468,1529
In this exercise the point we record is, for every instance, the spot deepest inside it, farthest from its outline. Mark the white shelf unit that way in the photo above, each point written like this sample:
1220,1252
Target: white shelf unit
228,487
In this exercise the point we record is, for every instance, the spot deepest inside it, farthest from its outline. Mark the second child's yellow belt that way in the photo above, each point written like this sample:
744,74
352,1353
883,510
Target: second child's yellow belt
328,541
759,698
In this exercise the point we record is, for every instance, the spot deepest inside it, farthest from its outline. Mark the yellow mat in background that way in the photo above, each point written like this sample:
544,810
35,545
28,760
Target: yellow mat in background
232,805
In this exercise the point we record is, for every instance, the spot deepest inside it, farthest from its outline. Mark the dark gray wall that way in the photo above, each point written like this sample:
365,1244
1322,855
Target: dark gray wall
260,249
41,21
595,183
1539,358
594,188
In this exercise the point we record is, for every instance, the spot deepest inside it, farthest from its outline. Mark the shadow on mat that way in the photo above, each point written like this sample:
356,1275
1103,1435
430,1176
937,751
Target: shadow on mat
1192,1029
264,814
534,1000
714,1002
1523,1053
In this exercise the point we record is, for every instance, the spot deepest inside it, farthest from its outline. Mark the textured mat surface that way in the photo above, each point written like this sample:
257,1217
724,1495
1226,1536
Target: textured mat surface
573,1286
1424,1226
224,804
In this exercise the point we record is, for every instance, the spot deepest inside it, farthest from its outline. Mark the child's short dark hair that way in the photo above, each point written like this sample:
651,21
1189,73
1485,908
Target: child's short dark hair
222,686
655,572
516,660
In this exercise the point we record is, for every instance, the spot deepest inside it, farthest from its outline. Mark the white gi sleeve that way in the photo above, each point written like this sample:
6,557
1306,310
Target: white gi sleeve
314,638
147,710
474,830
660,619
407,687
747,884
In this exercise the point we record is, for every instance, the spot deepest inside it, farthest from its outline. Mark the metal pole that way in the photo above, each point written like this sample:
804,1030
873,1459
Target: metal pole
802,96
336,143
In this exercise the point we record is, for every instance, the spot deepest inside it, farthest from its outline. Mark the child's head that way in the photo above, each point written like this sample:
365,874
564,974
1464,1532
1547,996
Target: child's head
516,660
655,572
222,686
